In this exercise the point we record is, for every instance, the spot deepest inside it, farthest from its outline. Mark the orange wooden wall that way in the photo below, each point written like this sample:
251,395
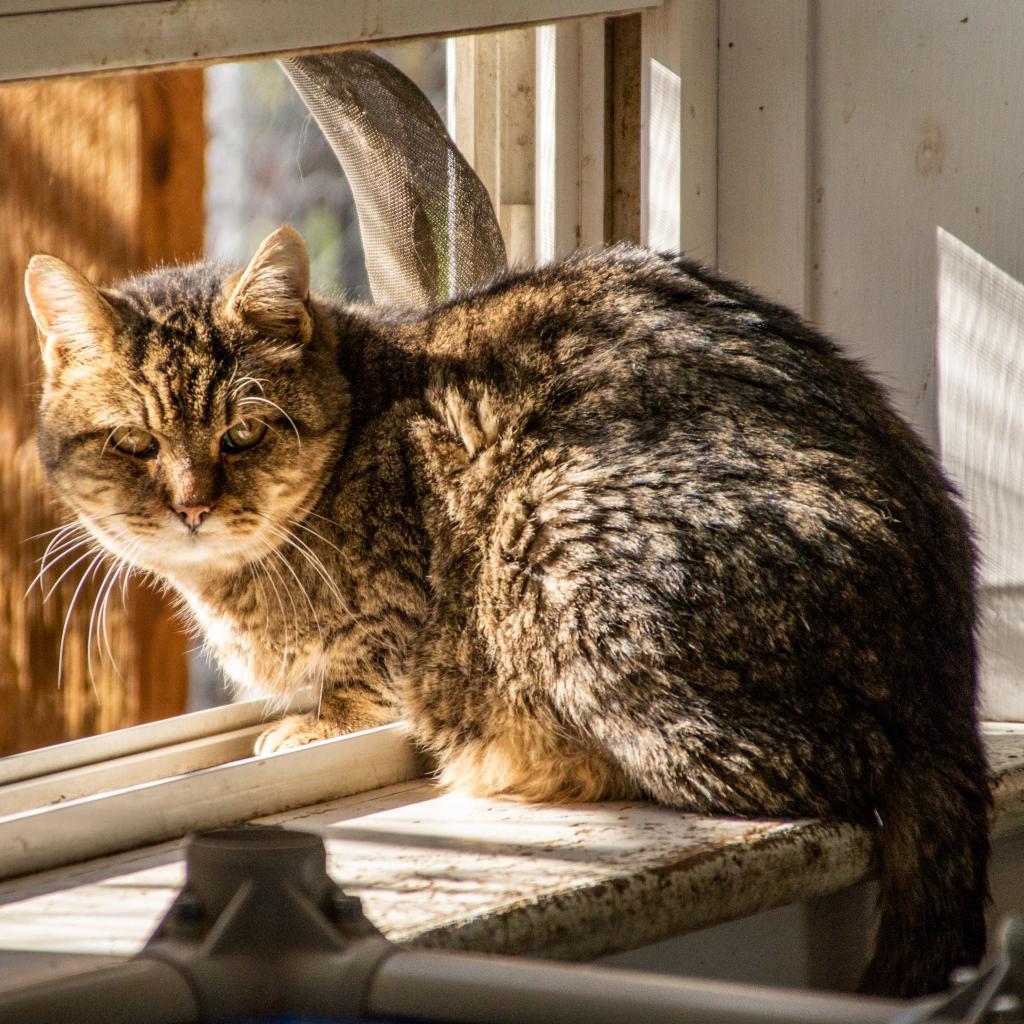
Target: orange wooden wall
107,174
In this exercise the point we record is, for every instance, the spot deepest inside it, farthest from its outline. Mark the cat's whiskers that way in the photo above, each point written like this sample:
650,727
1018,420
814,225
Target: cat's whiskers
238,392
312,607
316,515
122,569
60,578
49,560
271,567
319,536
109,438
269,426
94,613
66,539
244,382
230,383
94,619
285,535
46,533
320,662
279,555
126,579
105,616
331,544
302,589
318,566
69,538
304,526
67,617
254,568
80,520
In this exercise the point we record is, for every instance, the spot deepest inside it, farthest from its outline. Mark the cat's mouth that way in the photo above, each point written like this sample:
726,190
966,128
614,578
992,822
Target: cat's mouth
212,543
184,548
171,547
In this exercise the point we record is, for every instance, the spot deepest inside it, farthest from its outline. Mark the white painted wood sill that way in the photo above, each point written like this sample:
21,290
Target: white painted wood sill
445,871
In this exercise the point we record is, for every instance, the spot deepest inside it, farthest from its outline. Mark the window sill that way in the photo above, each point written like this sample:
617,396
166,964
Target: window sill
444,871
123,790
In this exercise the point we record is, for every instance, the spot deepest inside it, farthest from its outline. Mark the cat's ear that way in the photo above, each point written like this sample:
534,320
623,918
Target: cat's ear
272,293
73,318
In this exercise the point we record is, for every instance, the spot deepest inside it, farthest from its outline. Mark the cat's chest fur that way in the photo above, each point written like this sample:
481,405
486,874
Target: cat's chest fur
261,652
341,596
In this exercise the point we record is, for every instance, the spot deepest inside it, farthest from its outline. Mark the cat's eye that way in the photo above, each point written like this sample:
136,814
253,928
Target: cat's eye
133,441
244,434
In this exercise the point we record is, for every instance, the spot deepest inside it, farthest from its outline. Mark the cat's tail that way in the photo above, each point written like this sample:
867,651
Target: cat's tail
933,850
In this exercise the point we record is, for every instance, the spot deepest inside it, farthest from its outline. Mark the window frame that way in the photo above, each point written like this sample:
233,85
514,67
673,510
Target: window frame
41,38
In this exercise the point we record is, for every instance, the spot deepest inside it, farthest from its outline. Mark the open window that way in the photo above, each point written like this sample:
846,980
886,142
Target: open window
570,116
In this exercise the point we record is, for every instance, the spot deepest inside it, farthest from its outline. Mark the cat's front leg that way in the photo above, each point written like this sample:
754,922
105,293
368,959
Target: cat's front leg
346,708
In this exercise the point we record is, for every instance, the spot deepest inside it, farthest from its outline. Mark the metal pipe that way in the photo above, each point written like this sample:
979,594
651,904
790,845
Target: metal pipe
138,990
478,989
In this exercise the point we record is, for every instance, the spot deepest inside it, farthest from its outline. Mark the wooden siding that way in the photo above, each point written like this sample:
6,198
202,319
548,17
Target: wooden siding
107,174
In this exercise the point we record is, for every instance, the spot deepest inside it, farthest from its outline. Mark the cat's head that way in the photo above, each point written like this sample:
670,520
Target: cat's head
188,415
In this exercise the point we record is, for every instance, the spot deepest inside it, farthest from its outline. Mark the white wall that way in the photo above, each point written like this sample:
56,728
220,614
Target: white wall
848,132
852,137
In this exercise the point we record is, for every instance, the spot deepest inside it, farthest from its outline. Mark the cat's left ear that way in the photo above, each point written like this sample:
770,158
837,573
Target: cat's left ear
272,293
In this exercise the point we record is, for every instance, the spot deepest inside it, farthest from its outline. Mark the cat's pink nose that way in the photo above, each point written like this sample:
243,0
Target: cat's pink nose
192,515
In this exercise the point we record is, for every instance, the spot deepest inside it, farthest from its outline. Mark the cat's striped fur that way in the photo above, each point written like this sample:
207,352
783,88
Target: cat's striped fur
612,528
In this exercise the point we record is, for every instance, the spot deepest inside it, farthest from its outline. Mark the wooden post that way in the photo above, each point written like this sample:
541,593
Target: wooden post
107,174
623,68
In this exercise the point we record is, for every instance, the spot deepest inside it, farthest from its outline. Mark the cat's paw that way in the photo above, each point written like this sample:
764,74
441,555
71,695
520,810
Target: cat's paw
291,732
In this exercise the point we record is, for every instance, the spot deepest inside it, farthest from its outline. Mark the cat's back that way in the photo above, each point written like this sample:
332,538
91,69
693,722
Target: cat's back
641,329
632,424
627,347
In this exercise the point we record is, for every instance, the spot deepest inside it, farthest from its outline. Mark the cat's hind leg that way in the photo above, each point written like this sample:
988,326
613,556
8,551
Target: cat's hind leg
487,736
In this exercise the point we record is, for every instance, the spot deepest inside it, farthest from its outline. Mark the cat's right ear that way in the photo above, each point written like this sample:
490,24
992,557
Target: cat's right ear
72,316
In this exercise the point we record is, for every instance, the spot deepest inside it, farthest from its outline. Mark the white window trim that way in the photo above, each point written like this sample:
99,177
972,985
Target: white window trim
119,743
39,38
564,68
169,806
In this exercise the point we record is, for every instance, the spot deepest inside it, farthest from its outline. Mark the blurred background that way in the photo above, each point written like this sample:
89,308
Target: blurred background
115,175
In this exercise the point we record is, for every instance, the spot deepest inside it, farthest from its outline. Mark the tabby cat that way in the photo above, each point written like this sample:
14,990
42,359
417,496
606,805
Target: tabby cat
613,528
